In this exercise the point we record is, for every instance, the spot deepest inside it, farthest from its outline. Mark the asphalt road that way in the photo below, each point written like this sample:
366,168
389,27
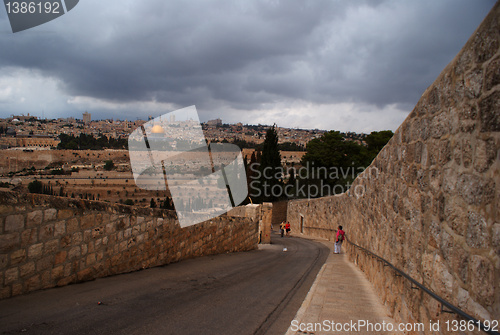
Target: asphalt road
256,292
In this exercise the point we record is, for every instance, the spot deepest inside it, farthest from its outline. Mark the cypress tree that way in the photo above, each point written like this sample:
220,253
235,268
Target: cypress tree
270,167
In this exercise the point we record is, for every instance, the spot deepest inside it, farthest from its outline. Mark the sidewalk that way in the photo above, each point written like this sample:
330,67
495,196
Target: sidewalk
341,294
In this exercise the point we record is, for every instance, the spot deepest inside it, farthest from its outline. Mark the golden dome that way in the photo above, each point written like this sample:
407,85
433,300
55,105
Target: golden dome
157,129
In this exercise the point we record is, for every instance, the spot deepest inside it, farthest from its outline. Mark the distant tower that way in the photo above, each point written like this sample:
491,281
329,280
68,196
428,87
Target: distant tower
172,118
86,118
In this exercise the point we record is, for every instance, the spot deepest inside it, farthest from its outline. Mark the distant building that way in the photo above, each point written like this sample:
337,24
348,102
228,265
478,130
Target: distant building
216,122
34,141
10,132
86,118
24,117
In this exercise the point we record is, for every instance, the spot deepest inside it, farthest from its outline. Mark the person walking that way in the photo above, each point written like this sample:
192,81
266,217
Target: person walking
282,228
287,228
339,239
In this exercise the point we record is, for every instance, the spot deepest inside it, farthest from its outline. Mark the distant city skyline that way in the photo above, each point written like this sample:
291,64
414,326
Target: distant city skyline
349,66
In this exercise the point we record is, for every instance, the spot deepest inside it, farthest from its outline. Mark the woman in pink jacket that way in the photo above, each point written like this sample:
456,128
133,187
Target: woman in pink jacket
339,239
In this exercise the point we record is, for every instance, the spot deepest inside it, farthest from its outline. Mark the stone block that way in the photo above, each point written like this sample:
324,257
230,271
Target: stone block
91,259
473,83
60,228
5,292
35,251
49,214
29,237
46,232
17,289
34,219
58,272
66,280
110,228
72,225
440,126
477,231
87,235
66,241
44,264
492,77
4,209
99,256
9,242
476,190
123,246
17,257
51,246
26,269
74,252
98,243
76,238
89,221
444,152
60,257
455,215
488,113
495,239
485,42
485,155
14,223
97,232
11,276
65,214
46,279
466,153
482,274
86,274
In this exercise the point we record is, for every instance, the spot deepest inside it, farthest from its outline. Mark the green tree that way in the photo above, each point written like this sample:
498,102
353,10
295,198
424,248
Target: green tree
271,171
330,160
35,186
109,165
376,141
129,202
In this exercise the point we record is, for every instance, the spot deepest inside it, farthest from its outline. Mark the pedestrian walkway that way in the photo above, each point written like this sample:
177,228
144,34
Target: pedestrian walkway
341,301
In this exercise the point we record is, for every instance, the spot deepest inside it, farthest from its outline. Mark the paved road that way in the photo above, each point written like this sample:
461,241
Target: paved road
256,292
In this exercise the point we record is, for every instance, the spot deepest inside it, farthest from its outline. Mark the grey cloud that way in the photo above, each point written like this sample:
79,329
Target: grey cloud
244,54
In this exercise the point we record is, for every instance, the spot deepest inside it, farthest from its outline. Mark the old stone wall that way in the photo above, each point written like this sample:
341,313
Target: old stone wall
429,203
50,241
279,212
261,213
17,160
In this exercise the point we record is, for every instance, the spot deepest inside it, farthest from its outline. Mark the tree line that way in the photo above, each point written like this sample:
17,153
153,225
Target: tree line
330,165
89,142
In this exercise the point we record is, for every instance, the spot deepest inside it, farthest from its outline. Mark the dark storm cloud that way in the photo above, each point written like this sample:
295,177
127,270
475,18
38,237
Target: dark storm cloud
247,53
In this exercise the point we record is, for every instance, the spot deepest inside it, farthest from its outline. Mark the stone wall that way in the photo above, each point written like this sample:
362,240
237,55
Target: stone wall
16,160
279,212
429,203
261,213
51,241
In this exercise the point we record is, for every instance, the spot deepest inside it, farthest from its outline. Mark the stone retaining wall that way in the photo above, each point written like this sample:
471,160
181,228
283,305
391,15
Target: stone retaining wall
50,241
429,203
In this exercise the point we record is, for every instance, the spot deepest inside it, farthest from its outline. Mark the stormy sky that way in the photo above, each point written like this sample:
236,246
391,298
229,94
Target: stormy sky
344,65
